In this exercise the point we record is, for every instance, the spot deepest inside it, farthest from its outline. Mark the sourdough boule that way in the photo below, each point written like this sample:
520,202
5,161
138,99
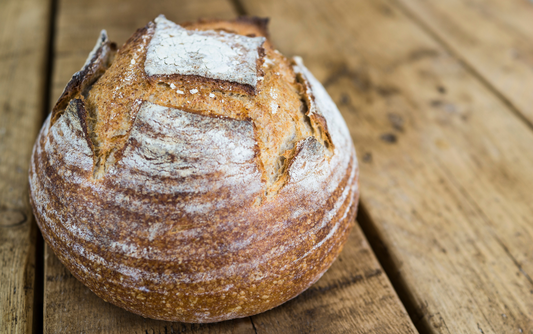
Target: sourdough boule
195,174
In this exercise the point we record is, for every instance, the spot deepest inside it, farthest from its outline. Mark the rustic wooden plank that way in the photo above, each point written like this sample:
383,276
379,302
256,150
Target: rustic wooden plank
23,48
492,36
446,166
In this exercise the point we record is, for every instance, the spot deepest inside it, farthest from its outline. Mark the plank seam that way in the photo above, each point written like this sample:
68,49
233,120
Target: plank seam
39,296
464,62
375,240
253,325
47,99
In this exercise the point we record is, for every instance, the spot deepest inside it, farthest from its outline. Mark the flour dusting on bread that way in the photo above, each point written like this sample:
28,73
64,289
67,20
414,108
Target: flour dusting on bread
210,54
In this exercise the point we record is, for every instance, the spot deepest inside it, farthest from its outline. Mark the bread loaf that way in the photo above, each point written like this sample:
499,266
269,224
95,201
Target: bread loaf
195,174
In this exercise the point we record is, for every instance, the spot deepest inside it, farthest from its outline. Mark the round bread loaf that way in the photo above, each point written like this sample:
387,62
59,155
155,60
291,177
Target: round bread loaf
195,174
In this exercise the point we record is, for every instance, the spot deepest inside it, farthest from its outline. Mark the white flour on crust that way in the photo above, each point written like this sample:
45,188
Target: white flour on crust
210,54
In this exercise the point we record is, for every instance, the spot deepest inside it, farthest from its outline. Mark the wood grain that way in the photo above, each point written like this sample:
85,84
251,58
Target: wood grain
445,172
354,296
494,37
23,45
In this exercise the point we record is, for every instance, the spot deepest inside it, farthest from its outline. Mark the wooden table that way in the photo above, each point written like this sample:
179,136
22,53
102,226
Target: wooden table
438,96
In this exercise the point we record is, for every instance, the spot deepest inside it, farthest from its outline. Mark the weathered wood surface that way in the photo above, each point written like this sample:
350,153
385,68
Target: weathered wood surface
23,48
354,296
446,164
494,37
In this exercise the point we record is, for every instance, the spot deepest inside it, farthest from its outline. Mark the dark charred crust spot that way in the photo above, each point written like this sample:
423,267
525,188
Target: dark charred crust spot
79,107
201,21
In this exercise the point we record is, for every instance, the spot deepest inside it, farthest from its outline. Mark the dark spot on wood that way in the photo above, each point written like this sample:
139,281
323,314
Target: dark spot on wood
396,121
345,99
436,103
389,138
311,313
373,273
386,10
421,54
441,89
7,107
367,157
386,91
58,278
359,78
12,217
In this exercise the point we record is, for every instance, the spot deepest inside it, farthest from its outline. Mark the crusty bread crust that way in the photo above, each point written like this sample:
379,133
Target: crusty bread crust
213,204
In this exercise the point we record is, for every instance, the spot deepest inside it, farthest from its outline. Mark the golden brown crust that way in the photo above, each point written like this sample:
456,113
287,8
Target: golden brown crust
196,207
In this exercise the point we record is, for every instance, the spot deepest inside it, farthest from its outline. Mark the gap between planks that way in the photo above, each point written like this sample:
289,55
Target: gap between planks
22,89
38,315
